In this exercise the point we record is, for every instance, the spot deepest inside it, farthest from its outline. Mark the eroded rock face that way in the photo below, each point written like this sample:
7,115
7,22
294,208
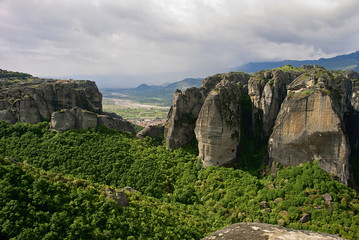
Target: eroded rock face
151,131
261,231
179,128
267,90
310,124
181,120
118,124
218,125
7,116
77,118
38,99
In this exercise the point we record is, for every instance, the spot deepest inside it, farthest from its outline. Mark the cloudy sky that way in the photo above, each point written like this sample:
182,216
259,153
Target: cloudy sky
122,43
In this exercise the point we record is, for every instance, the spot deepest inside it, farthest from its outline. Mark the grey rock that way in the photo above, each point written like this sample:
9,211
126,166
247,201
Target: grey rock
181,120
39,98
84,118
119,196
63,120
267,90
218,125
115,123
327,197
7,116
261,231
310,124
77,118
151,131
180,124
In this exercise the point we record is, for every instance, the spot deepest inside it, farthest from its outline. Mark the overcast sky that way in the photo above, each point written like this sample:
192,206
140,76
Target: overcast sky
123,43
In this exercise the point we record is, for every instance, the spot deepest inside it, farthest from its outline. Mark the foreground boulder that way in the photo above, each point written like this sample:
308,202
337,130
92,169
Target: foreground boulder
77,118
261,231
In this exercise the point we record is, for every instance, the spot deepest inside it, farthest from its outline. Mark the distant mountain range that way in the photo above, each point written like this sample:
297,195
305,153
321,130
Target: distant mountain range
144,93
341,62
162,95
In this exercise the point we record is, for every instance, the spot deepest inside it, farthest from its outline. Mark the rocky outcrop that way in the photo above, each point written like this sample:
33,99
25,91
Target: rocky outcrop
180,124
77,118
261,231
7,116
352,115
118,124
151,131
267,90
33,100
119,197
310,124
181,120
306,113
218,125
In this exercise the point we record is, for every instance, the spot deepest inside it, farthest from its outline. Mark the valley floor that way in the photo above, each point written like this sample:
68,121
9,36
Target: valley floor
137,113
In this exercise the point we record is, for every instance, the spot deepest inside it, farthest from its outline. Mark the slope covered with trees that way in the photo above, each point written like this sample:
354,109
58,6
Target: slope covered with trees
57,190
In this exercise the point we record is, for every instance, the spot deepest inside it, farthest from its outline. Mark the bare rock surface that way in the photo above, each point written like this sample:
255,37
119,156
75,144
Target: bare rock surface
32,100
218,125
181,120
310,124
180,124
77,118
267,90
261,231
152,131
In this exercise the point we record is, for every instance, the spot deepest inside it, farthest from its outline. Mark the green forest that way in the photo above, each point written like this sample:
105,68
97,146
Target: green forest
53,184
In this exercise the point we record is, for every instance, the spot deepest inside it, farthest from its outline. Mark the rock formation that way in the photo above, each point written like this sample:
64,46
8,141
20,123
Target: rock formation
267,90
261,231
32,100
151,131
77,118
119,196
310,124
181,120
218,125
306,113
179,128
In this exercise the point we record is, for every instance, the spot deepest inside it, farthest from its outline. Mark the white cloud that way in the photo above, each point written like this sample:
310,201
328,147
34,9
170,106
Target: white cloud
155,37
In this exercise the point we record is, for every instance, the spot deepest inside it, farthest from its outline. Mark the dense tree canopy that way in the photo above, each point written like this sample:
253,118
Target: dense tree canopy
57,190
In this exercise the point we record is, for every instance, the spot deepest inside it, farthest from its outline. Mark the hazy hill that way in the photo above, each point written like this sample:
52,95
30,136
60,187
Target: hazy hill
341,62
144,93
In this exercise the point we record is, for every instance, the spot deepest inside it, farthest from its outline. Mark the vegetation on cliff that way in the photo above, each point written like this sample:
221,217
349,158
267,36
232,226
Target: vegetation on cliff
57,190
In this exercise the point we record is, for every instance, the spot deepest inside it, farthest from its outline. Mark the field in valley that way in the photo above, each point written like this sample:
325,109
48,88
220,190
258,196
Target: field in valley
141,114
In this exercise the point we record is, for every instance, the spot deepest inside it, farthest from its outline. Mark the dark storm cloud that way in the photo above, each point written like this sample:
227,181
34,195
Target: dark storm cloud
153,39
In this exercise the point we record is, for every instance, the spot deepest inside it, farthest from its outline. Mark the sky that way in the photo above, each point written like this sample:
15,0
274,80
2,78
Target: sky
123,43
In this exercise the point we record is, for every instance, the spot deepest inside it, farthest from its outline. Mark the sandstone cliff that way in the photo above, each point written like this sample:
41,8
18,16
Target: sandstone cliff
181,120
31,100
180,124
310,124
307,113
267,90
218,125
